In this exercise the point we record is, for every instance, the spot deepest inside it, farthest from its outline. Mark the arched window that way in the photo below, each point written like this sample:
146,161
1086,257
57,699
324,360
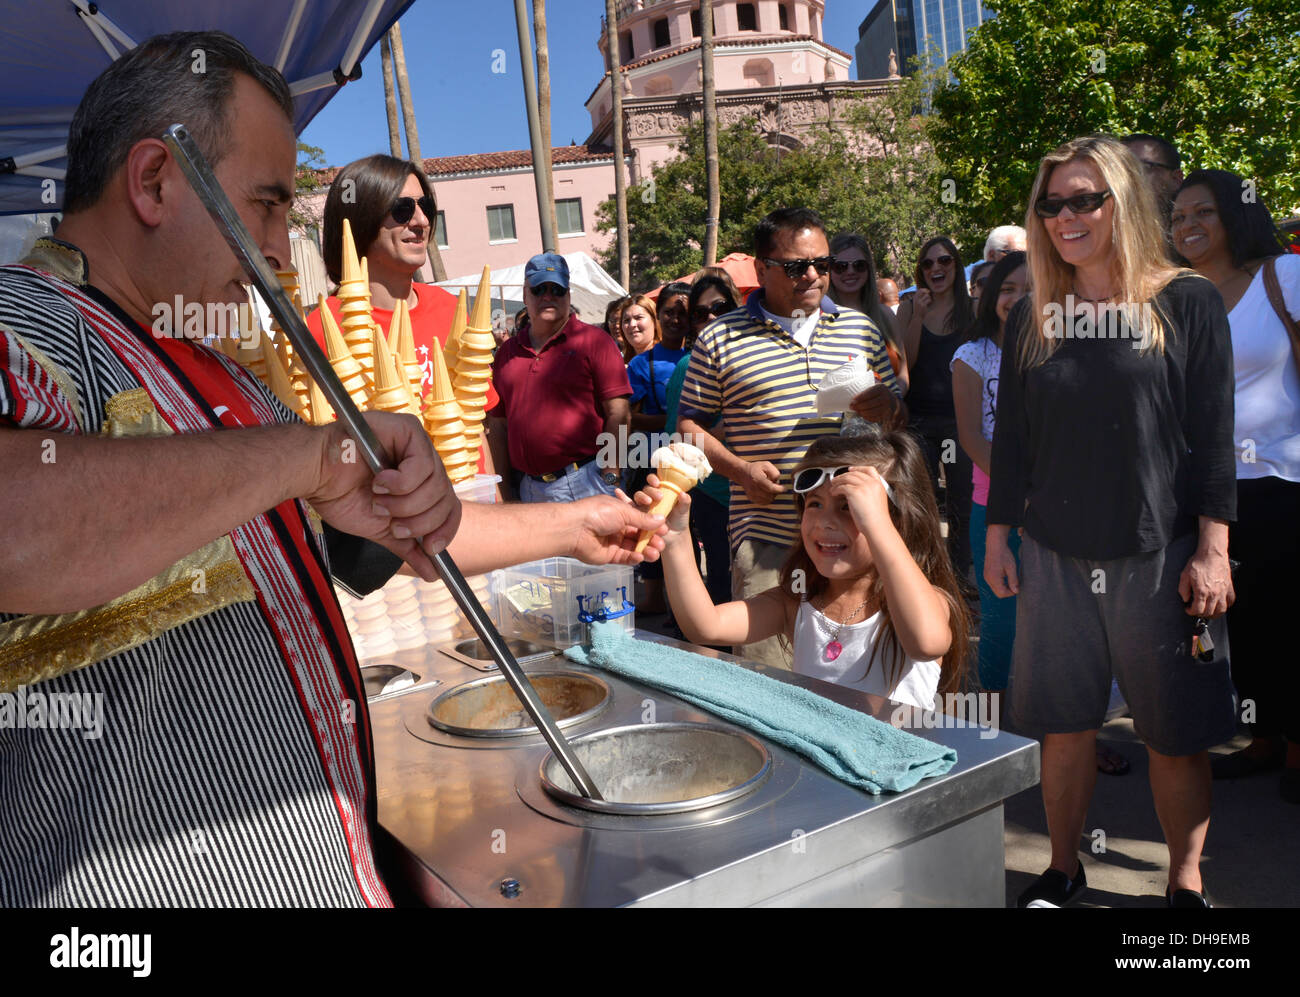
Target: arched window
660,86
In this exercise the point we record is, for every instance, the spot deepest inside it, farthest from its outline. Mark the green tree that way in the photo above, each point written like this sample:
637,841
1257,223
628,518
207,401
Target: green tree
1220,78
666,212
909,194
306,182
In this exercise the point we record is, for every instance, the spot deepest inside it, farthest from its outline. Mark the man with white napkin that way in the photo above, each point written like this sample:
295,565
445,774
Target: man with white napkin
758,369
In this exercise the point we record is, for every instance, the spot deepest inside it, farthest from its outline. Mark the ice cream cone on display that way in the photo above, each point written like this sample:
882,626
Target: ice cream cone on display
354,307
319,410
442,420
248,350
680,468
392,390
277,378
344,364
406,351
459,319
474,363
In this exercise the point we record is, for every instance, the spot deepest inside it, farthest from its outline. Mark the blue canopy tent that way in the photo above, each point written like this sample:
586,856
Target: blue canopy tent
50,50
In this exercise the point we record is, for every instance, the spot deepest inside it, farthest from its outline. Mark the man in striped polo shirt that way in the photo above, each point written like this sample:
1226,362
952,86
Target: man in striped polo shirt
757,369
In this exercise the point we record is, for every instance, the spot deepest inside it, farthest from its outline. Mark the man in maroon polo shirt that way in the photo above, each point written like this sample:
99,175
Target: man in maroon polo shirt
562,384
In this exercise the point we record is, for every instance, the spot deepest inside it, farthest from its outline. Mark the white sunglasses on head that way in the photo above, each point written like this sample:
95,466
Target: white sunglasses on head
812,478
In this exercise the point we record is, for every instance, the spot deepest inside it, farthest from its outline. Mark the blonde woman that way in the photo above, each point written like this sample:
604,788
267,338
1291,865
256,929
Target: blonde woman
1113,450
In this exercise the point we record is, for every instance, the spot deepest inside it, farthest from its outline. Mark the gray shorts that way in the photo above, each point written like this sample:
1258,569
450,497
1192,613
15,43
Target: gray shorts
1080,622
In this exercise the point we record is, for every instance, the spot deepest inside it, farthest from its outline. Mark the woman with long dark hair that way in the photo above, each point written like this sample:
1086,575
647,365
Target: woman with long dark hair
1113,449
1231,241
932,320
853,285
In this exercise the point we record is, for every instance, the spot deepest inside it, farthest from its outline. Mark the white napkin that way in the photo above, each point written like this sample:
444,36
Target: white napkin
843,384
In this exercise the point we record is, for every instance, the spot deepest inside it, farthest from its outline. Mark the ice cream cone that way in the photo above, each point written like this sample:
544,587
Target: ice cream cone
354,307
406,350
459,319
319,410
442,420
277,378
674,483
392,390
474,362
344,364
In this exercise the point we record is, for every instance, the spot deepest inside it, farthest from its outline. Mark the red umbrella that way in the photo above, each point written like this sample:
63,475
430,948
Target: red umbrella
740,267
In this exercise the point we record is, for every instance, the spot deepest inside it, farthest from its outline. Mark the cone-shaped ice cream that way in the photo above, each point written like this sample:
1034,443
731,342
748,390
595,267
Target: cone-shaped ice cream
354,307
459,319
319,410
248,351
443,422
277,378
406,351
474,363
392,391
680,468
344,364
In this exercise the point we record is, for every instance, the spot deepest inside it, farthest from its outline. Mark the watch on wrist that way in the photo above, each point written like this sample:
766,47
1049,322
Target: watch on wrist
609,477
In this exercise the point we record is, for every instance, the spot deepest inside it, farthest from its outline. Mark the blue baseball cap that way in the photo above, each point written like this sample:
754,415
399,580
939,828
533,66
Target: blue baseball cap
547,268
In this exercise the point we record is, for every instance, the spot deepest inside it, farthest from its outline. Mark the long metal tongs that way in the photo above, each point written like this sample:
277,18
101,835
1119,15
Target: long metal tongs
201,178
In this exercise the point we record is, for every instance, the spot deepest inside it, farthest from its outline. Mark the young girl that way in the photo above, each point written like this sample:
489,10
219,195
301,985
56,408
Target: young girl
856,597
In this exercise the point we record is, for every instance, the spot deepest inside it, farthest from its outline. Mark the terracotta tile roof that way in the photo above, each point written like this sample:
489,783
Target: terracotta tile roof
484,162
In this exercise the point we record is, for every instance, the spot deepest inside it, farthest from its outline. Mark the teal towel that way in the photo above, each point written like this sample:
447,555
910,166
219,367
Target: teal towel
851,746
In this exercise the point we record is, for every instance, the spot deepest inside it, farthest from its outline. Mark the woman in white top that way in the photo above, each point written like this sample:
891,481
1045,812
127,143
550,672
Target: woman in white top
1226,233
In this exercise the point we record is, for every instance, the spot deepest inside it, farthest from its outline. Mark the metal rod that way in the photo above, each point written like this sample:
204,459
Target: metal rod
201,178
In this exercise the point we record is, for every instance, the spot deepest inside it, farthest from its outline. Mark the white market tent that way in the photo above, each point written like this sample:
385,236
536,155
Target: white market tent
591,288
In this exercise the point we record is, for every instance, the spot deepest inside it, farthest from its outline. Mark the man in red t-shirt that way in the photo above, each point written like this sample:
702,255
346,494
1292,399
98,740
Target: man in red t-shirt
563,387
392,211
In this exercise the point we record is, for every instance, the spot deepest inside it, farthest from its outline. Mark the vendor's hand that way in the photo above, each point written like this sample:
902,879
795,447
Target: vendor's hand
1000,569
678,521
877,404
1206,584
606,530
412,500
864,490
762,483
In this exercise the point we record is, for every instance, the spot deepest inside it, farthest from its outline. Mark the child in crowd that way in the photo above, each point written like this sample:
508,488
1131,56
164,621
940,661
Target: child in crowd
856,597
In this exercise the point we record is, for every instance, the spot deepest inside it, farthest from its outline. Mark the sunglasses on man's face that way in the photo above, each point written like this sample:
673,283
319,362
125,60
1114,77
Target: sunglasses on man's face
938,261
702,313
843,266
550,291
403,209
794,269
1079,204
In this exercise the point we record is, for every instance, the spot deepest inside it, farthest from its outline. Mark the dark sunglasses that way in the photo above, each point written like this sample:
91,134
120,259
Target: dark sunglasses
842,266
794,269
403,209
702,313
1079,204
940,261
549,290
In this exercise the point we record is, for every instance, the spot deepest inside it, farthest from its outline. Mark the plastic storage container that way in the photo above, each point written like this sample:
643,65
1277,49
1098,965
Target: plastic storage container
553,601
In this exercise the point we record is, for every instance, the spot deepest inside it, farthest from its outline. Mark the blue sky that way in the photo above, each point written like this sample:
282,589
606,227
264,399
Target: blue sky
462,106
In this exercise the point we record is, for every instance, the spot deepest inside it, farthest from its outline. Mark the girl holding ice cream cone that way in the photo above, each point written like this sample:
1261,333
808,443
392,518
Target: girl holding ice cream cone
867,596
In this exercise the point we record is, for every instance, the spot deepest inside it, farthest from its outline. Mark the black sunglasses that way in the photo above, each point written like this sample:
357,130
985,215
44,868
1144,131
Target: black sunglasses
550,290
1079,204
939,261
701,313
842,266
403,209
794,269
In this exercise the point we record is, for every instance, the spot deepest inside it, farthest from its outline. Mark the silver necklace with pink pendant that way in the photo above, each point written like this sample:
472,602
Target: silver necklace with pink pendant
833,647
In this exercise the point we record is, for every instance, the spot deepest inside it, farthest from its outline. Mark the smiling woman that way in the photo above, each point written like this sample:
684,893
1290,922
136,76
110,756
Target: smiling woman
1104,458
